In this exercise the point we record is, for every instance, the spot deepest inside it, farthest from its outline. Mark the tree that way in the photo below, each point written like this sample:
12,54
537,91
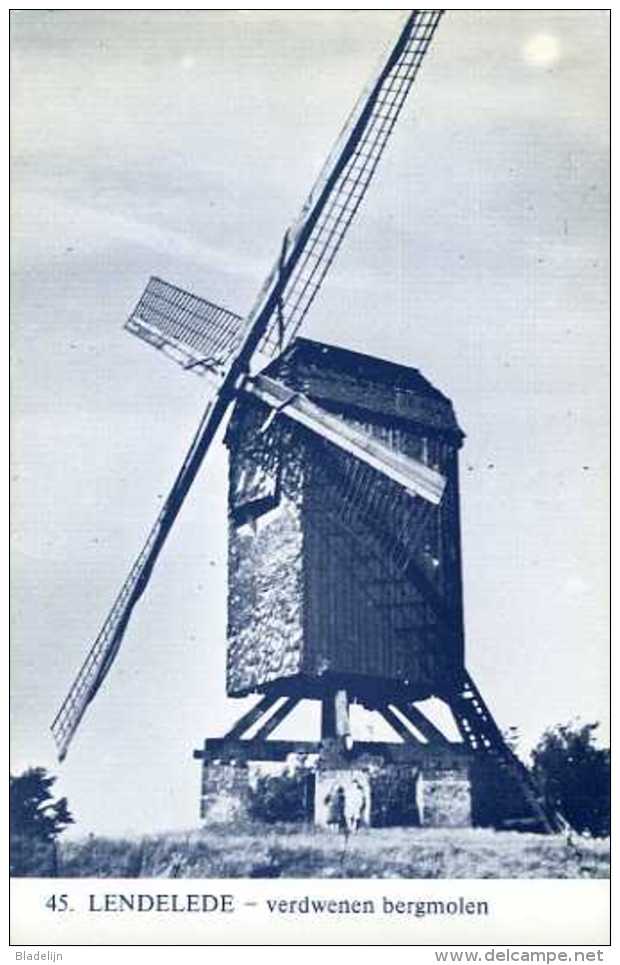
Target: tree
32,810
574,775
36,821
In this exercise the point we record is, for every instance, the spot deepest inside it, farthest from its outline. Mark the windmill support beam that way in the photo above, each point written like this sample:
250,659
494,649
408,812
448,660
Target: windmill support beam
255,713
276,719
422,724
396,724
253,749
335,716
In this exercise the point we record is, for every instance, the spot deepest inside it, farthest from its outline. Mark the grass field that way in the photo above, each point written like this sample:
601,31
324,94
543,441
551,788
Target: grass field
292,852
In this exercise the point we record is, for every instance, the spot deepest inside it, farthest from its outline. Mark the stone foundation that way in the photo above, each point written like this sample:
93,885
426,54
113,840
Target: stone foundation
395,796
225,792
444,795
375,794
433,790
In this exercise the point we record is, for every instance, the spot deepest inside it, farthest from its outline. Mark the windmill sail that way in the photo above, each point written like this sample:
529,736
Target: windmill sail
309,249
372,480
190,330
409,473
101,655
198,335
344,180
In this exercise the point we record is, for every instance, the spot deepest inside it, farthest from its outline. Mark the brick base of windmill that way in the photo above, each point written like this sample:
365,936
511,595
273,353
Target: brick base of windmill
434,781
437,784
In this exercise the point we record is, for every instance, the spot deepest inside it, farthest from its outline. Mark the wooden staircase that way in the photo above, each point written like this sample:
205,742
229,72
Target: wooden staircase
479,730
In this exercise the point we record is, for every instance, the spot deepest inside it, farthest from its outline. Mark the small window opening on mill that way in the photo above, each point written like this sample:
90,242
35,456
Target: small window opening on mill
256,482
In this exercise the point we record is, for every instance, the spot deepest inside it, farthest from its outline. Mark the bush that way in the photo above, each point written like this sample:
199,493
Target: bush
393,799
574,775
281,797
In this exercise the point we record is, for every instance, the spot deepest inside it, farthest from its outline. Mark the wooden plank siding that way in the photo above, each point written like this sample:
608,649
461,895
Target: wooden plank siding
363,618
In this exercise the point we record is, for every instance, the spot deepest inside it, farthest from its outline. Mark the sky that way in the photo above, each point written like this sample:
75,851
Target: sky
181,144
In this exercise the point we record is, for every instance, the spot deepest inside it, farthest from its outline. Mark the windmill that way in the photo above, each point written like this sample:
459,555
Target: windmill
392,498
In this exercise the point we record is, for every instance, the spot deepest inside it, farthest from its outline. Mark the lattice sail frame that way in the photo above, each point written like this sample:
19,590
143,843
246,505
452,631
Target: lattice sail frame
347,173
212,333
190,330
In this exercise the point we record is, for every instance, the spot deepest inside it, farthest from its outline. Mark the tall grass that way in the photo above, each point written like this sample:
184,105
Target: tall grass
293,852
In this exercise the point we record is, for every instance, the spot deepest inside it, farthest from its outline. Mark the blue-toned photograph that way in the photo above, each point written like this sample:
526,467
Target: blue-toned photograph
328,597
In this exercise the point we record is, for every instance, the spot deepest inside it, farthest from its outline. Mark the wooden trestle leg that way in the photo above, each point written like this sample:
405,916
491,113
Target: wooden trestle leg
335,724
260,710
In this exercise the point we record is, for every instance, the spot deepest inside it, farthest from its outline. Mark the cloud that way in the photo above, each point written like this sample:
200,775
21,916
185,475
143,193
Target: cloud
43,222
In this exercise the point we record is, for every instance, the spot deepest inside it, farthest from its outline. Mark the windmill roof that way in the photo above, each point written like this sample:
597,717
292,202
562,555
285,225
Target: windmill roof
344,380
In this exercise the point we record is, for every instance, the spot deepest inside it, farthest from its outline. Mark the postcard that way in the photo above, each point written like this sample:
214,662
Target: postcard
310,478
